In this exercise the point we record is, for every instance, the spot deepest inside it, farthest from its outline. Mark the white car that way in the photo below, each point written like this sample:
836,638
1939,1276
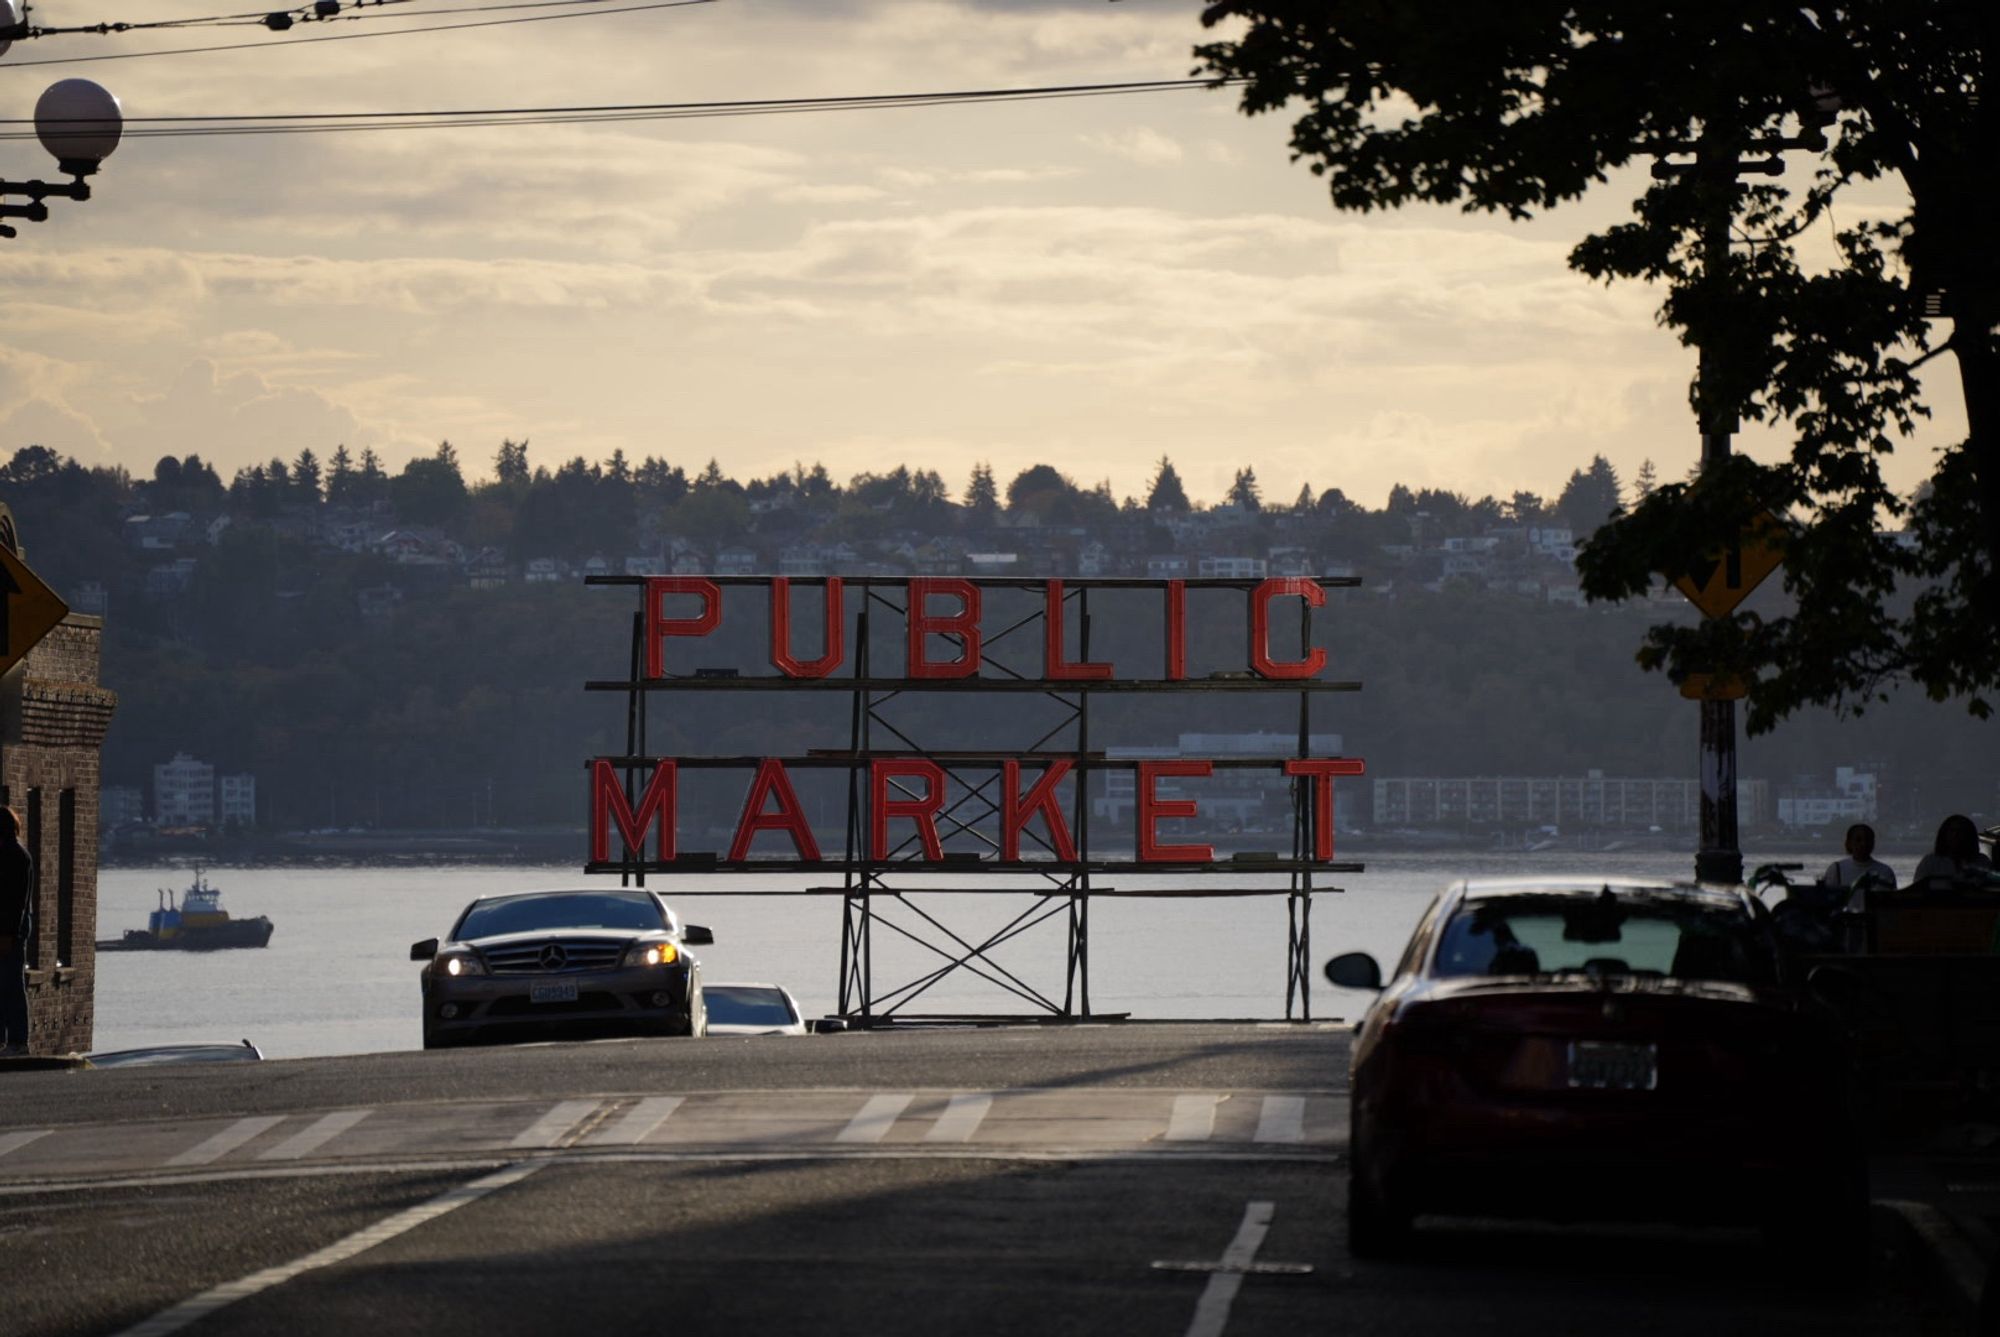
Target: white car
752,1009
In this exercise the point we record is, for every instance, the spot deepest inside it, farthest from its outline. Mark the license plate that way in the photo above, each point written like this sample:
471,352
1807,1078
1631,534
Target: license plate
1602,1066
552,991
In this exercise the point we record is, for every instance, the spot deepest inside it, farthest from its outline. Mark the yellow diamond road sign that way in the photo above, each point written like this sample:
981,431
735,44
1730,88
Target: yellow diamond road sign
1718,581
28,609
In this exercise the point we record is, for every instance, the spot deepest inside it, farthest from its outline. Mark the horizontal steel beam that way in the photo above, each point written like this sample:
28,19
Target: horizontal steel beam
1248,683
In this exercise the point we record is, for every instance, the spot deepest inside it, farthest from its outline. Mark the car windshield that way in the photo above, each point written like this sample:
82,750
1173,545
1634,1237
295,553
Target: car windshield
730,1005
574,909
1543,933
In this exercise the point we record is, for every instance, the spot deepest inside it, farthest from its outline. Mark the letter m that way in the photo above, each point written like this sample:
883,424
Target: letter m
608,804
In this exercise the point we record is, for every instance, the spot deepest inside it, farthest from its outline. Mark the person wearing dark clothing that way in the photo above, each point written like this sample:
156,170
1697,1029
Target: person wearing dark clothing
17,921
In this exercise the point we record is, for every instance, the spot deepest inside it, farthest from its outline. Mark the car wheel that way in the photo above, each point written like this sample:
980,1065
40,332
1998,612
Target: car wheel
1377,1225
433,1040
1821,1228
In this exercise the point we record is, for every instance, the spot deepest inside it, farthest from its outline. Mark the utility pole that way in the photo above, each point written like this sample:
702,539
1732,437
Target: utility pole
1719,858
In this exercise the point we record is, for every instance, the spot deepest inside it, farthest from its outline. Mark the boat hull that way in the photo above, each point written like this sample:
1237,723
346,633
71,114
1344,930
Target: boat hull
195,938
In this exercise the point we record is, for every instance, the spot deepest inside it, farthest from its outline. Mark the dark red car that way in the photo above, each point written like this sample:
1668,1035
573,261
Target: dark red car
1599,1050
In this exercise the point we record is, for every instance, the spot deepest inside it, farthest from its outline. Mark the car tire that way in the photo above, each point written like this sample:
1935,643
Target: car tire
1821,1229
1378,1226
432,1040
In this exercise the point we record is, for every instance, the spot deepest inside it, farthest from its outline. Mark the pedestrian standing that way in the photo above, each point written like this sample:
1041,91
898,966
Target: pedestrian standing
17,921
1860,870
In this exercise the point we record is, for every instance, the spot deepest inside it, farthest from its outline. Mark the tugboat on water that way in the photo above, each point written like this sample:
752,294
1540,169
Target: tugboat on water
197,924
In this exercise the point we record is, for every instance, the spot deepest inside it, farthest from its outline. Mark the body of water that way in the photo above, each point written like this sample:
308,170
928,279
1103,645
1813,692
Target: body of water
337,978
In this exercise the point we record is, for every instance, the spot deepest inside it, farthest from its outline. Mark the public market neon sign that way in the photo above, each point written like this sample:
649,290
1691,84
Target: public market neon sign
907,795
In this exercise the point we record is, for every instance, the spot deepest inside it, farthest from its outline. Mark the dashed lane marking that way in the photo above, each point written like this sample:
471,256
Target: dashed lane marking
201,1306
637,1123
961,1118
1193,1119
876,1118
1283,1119
213,1149
315,1135
550,1129
1211,1312
15,1141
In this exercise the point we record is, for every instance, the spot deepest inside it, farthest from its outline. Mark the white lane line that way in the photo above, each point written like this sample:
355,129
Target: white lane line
315,1135
1283,1119
875,1118
637,1123
961,1118
192,1311
1211,1312
229,1139
1193,1118
10,1142
549,1129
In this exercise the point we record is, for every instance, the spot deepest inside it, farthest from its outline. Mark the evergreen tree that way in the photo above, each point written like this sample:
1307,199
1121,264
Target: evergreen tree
1644,481
510,465
1590,497
340,477
306,477
1243,491
1166,492
982,495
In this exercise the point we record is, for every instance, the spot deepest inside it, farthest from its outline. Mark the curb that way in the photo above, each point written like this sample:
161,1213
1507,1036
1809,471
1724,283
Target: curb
1944,1262
43,1063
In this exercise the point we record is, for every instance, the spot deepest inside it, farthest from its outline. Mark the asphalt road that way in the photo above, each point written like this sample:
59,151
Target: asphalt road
1034,1181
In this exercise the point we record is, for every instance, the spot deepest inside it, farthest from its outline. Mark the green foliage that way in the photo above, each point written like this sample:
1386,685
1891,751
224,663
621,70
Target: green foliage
1516,108
1166,492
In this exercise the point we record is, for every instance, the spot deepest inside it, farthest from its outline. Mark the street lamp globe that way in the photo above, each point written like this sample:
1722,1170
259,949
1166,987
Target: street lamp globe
11,17
79,122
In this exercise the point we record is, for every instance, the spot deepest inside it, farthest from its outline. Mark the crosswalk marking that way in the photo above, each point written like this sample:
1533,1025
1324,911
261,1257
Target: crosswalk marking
15,1141
1193,1119
1283,1119
875,1118
636,1123
961,1118
315,1135
560,1118
229,1139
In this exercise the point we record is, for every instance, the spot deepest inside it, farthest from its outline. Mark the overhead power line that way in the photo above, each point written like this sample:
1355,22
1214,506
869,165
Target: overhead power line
294,123
573,9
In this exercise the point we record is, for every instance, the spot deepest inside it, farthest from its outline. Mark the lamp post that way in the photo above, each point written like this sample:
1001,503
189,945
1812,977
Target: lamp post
79,123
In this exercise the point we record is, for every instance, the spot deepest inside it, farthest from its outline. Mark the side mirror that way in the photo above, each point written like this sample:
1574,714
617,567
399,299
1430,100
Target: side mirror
1354,970
828,1025
424,951
694,935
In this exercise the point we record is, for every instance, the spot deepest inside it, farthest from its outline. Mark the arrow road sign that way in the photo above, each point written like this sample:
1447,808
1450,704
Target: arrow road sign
1716,582
28,609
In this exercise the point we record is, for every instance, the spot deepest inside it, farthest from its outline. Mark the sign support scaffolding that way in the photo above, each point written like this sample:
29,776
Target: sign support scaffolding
1061,883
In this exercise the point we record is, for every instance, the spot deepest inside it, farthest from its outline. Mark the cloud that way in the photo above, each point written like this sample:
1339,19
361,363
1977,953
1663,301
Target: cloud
1148,148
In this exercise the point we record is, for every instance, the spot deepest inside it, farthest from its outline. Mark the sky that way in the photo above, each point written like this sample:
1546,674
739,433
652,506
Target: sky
1089,283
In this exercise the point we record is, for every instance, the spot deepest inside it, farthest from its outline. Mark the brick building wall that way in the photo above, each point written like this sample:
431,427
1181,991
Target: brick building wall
53,717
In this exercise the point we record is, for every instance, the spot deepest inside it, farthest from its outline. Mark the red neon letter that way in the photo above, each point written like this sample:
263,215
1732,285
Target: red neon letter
1260,629
923,810
1322,770
1153,808
659,626
608,804
789,818
1017,808
1176,630
781,631
1057,667
963,624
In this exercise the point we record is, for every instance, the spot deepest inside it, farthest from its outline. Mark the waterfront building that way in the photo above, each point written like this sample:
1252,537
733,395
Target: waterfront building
184,792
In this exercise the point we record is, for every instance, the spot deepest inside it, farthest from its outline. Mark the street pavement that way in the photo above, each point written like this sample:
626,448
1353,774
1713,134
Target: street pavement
1037,1180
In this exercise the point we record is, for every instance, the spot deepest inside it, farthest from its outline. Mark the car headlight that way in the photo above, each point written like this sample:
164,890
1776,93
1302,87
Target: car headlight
652,954
460,964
